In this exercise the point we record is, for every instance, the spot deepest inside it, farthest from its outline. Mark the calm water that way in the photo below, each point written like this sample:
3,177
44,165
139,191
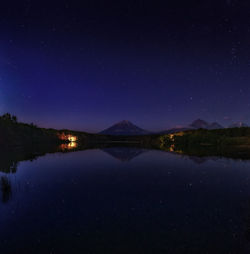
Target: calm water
125,200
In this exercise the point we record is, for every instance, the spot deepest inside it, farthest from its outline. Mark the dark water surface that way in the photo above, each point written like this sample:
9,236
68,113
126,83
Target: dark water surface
125,200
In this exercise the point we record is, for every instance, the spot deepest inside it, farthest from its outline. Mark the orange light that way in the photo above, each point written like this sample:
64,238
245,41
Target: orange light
72,145
72,138
68,137
68,146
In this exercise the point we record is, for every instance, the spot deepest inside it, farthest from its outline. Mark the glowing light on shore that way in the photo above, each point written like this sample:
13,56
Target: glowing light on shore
72,138
70,141
67,137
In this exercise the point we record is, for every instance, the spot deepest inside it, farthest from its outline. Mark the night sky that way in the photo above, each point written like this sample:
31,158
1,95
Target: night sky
85,65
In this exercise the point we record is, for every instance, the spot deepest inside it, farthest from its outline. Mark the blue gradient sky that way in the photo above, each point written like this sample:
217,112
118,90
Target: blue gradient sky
85,66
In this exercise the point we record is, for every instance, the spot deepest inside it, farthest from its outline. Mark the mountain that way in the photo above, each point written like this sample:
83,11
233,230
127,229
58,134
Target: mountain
127,128
197,124
201,124
124,128
214,126
238,125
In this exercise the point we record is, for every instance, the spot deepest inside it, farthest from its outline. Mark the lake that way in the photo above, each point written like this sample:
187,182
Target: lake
125,200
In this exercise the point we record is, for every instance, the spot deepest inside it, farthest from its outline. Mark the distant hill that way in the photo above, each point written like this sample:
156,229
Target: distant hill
233,143
197,124
214,126
238,125
124,128
14,134
201,124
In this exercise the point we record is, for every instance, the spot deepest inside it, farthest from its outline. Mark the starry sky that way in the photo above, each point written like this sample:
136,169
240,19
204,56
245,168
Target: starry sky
85,65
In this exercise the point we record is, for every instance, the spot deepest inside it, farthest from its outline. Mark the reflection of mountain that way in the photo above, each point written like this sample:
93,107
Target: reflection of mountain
9,160
123,153
198,160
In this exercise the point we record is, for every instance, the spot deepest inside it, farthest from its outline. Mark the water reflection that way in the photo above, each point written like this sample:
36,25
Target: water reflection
201,153
124,153
199,160
68,146
6,189
8,164
159,203
9,160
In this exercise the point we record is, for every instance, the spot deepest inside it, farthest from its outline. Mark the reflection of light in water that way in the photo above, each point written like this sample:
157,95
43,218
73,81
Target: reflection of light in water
72,144
171,148
68,146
